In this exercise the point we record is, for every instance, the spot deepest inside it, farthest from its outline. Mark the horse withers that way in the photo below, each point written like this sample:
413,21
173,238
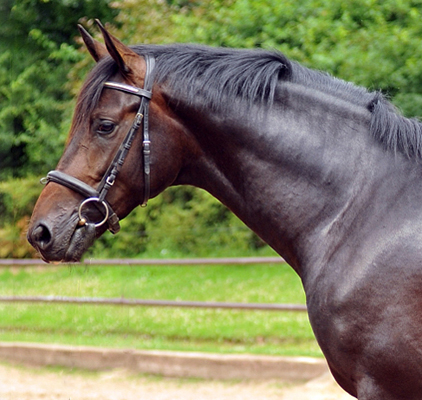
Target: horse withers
327,173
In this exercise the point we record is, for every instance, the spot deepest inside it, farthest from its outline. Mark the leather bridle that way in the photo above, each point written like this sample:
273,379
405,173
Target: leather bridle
98,196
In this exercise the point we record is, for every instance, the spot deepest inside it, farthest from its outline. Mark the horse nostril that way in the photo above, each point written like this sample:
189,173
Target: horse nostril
41,236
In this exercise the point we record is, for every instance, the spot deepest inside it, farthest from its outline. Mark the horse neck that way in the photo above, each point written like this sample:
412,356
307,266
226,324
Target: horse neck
287,170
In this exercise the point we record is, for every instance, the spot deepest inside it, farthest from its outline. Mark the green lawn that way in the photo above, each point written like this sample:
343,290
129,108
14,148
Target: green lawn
265,332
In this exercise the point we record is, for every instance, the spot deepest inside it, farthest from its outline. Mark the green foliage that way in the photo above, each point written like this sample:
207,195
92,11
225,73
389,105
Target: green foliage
374,43
181,222
17,199
37,51
55,20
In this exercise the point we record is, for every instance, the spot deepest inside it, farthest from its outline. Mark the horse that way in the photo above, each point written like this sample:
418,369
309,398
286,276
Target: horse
326,172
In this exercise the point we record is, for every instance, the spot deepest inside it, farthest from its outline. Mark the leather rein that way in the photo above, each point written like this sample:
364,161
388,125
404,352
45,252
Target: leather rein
98,196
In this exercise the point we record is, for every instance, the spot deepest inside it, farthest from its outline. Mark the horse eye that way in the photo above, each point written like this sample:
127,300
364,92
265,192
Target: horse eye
105,127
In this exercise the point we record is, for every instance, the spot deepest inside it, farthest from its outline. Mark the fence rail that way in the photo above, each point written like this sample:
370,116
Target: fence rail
5,262
153,303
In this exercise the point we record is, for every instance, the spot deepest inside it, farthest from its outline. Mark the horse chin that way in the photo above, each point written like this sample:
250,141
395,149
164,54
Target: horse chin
81,240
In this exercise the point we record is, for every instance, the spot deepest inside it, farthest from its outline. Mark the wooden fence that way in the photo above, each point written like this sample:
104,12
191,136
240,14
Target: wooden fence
152,303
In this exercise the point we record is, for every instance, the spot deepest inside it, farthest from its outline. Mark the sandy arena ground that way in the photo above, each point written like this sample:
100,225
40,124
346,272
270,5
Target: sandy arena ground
25,383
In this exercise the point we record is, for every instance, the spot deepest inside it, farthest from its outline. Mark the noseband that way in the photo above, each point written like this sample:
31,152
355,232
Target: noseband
97,196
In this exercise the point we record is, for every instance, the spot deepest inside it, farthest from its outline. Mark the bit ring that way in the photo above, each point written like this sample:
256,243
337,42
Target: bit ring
83,221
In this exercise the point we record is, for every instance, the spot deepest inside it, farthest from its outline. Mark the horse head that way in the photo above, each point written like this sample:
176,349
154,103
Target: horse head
116,156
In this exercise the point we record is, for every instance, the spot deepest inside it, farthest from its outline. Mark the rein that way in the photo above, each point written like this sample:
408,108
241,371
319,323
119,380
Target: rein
97,196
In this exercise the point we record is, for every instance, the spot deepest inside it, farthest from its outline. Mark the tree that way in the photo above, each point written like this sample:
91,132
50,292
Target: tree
37,51
374,43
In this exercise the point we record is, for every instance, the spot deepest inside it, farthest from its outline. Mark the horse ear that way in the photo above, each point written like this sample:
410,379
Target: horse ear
97,49
127,60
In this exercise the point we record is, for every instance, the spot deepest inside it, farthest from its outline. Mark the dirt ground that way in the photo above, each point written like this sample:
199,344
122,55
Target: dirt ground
24,383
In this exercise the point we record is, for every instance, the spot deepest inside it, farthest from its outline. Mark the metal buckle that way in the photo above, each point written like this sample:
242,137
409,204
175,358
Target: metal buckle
110,180
147,146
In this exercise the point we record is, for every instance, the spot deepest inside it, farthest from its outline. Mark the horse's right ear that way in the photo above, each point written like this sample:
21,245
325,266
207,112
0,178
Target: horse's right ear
97,49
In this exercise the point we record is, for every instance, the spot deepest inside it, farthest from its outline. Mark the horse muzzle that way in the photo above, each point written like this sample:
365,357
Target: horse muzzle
64,245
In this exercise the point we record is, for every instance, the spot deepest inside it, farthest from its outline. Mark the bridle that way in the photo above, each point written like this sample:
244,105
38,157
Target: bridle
98,196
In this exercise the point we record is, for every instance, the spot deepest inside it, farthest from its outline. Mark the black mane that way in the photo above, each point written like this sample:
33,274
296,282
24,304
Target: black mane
218,75
221,75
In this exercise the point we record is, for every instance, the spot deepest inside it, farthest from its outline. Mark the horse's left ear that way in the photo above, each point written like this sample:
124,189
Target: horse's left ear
97,49
128,61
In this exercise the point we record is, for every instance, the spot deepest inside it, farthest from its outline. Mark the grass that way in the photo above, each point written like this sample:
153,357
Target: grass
261,332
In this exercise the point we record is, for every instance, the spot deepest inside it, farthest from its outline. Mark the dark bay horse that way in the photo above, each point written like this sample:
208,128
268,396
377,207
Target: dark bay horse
327,173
